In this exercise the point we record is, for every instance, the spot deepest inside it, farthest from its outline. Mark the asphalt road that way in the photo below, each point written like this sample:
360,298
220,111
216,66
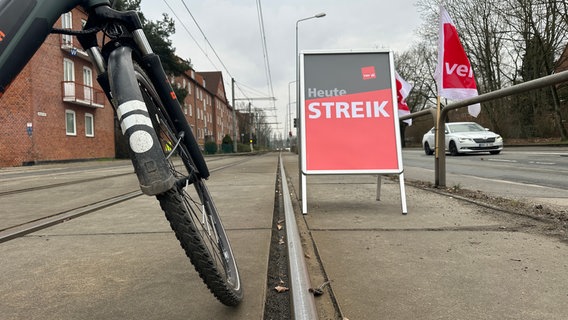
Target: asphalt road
523,172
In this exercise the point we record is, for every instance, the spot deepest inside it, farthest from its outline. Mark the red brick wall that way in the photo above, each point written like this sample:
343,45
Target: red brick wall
15,113
36,96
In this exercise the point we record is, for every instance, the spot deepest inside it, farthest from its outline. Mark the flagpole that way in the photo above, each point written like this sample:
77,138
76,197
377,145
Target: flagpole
437,141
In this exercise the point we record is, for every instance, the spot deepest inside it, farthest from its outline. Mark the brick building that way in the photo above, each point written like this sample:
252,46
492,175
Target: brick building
54,110
222,111
206,107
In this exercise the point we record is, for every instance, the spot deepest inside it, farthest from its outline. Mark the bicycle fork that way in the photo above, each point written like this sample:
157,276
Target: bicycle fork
146,151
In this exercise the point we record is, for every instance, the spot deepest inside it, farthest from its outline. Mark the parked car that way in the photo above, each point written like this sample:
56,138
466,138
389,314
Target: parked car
465,137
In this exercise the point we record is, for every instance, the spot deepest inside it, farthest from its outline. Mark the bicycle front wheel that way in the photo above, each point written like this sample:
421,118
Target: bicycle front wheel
190,209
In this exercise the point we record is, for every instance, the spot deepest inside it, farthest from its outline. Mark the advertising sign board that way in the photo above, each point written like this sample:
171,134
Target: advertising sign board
349,116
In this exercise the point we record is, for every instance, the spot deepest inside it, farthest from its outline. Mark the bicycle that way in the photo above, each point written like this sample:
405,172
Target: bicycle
163,149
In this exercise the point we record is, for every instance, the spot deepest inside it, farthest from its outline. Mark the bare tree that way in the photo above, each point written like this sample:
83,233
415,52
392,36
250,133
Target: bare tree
541,26
507,41
417,66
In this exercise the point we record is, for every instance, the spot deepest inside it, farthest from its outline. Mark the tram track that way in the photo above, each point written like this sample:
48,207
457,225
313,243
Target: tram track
61,184
46,222
31,226
79,181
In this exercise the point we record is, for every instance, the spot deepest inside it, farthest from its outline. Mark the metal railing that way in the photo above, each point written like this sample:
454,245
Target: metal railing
81,94
440,158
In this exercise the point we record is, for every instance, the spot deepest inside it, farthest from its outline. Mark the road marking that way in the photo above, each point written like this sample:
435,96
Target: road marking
501,160
540,162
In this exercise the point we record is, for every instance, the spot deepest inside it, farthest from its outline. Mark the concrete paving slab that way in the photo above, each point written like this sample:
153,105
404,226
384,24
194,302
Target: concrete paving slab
334,204
122,276
124,262
445,275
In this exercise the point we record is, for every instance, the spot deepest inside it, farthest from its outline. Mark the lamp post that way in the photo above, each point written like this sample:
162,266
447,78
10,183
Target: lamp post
289,120
319,15
298,122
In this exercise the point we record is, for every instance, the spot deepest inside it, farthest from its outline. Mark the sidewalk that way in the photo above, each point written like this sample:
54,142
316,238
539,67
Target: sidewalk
446,259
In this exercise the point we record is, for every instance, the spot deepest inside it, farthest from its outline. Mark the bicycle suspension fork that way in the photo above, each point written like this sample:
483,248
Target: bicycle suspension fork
146,153
119,81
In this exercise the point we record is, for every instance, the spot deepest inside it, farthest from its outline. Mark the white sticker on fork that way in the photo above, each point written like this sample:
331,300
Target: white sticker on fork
140,141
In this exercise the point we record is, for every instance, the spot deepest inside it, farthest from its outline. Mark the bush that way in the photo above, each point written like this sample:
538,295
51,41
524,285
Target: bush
241,147
227,139
227,146
210,147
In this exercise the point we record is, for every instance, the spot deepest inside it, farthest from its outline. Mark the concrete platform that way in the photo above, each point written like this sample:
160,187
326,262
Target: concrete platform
446,259
124,262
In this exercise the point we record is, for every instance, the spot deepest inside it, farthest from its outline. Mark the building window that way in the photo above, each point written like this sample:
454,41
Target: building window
89,125
69,78
70,123
88,84
67,23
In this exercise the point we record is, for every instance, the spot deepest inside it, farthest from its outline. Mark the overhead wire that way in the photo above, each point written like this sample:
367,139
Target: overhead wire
265,52
190,35
263,42
205,37
210,45
227,83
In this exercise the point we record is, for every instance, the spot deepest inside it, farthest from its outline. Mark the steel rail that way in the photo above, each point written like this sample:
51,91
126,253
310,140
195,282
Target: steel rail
62,184
303,304
29,227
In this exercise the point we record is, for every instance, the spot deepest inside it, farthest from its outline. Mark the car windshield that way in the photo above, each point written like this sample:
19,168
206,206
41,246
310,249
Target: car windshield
465,127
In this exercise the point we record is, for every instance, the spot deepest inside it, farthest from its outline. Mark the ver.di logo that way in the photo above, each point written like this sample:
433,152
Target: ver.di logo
368,73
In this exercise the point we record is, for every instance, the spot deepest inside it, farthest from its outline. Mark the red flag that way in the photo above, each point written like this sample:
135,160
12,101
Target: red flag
402,90
454,74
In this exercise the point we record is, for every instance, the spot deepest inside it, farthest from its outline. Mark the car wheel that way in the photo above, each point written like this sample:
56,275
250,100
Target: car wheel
495,152
453,149
427,149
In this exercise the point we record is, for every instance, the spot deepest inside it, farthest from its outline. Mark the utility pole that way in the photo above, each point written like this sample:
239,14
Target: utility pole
251,124
234,116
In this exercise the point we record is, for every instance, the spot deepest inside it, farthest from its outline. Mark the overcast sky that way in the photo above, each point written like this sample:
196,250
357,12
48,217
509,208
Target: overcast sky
232,28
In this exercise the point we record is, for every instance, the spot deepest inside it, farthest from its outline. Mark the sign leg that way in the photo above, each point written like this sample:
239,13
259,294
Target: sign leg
379,188
304,193
402,193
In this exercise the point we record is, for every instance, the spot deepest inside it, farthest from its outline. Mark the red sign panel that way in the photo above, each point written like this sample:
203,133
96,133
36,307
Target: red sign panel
349,115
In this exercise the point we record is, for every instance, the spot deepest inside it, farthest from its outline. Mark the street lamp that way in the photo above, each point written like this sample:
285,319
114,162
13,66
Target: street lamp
319,15
290,109
298,122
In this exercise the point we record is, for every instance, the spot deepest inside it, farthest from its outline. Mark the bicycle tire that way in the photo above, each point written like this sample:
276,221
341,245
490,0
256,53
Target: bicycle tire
191,212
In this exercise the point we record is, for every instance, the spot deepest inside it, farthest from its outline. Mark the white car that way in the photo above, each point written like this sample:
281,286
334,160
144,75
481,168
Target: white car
465,137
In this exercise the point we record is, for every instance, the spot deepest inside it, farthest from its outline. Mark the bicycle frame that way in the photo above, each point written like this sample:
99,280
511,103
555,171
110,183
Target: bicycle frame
24,26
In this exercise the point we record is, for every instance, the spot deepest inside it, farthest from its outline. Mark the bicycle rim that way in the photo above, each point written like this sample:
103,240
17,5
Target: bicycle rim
191,211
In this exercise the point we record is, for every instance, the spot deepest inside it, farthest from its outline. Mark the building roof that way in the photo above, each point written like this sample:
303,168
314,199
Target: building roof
214,83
